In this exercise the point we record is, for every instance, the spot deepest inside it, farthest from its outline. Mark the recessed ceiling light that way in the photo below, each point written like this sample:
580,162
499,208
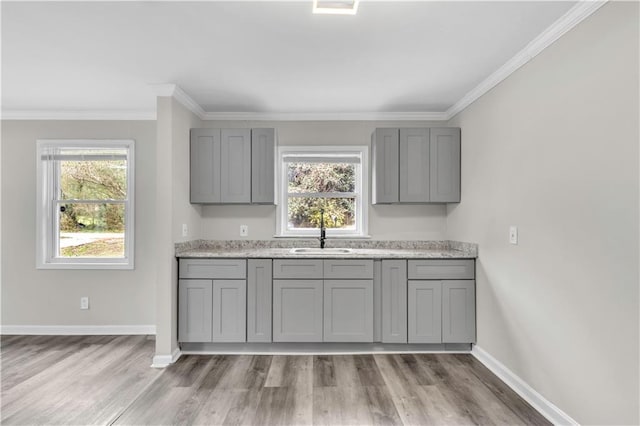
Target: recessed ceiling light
336,7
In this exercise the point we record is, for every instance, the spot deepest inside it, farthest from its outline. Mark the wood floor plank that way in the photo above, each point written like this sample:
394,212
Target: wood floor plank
107,379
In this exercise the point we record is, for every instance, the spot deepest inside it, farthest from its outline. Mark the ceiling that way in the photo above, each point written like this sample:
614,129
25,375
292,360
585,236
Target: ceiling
260,57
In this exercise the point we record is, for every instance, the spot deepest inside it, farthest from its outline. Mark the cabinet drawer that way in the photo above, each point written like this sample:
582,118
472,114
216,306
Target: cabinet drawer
441,269
348,269
213,268
297,268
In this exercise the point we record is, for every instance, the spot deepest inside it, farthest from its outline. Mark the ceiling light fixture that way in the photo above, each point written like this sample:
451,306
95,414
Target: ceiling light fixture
336,7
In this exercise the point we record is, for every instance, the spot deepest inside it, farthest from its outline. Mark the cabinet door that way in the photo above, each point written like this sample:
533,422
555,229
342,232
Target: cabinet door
297,310
205,166
262,166
235,166
194,310
425,312
445,165
385,148
259,283
229,310
458,311
414,165
394,301
348,310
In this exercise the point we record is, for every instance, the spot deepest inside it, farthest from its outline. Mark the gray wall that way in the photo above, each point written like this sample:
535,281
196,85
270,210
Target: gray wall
52,297
554,150
385,222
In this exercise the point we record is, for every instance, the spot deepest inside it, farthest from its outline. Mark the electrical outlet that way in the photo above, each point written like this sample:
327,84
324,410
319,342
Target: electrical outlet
84,302
185,230
244,231
513,234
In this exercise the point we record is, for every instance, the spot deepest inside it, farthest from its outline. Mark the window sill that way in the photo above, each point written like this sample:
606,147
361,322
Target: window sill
332,237
103,266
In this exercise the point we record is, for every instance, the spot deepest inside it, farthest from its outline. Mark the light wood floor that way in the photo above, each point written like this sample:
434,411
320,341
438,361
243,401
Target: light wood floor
107,380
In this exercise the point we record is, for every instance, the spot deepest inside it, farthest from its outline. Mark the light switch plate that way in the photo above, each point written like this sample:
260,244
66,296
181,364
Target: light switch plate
513,234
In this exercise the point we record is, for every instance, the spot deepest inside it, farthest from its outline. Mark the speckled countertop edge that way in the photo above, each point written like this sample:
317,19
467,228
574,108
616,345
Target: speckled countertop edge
281,248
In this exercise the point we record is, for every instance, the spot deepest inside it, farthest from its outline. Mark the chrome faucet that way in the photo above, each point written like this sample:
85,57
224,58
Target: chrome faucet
323,230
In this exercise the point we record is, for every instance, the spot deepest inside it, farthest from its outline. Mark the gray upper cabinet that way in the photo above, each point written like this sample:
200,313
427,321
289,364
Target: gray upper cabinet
235,166
262,166
394,301
414,165
205,176
232,166
458,311
385,166
445,165
259,300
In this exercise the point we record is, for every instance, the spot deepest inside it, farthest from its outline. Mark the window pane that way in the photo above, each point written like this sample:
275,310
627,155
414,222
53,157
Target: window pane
304,212
93,180
321,177
91,230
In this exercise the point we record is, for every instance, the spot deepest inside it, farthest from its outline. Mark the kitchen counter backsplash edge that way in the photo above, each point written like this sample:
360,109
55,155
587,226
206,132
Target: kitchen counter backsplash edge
465,249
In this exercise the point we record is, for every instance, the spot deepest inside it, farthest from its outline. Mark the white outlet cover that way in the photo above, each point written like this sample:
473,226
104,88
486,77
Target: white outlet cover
513,234
84,303
185,230
244,230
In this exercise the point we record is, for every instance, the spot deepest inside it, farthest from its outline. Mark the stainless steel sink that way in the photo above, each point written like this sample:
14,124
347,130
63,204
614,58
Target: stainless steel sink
313,250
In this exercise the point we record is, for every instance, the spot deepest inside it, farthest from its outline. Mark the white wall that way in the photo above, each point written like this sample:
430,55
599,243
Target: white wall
554,150
172,209
52,297
396,222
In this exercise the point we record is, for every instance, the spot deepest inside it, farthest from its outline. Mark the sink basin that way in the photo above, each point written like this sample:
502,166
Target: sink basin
314,250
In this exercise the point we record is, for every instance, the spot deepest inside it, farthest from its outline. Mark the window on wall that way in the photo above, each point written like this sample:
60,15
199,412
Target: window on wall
323,178
85,204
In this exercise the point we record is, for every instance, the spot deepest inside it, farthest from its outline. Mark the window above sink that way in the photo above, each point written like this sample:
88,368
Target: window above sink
329,178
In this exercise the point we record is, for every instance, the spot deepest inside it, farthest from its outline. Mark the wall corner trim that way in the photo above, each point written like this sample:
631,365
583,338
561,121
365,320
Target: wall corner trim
162,361
74,330
578,13
174,91
554,414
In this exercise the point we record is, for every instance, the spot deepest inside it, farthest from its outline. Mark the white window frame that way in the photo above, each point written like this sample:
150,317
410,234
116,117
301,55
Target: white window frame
47,226
361,193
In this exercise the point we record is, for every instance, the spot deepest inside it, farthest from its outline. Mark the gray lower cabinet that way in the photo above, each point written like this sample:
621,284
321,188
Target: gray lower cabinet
425,312
195,298
229,311
458,311
348,310
297,310
259,300
394,301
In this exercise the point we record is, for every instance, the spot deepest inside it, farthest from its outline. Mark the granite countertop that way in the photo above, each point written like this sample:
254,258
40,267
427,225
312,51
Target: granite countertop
359,249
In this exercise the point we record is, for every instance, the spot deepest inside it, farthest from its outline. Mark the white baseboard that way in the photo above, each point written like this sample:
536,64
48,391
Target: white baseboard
67,330
519,386
162,361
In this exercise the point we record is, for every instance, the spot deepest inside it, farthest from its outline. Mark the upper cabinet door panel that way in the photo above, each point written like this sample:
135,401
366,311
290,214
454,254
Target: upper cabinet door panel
205,166
445,165
385,166
262,166
414,165
235,165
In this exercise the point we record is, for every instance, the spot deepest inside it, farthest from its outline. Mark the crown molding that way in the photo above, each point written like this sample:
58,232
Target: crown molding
329,116
77,115
566,22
